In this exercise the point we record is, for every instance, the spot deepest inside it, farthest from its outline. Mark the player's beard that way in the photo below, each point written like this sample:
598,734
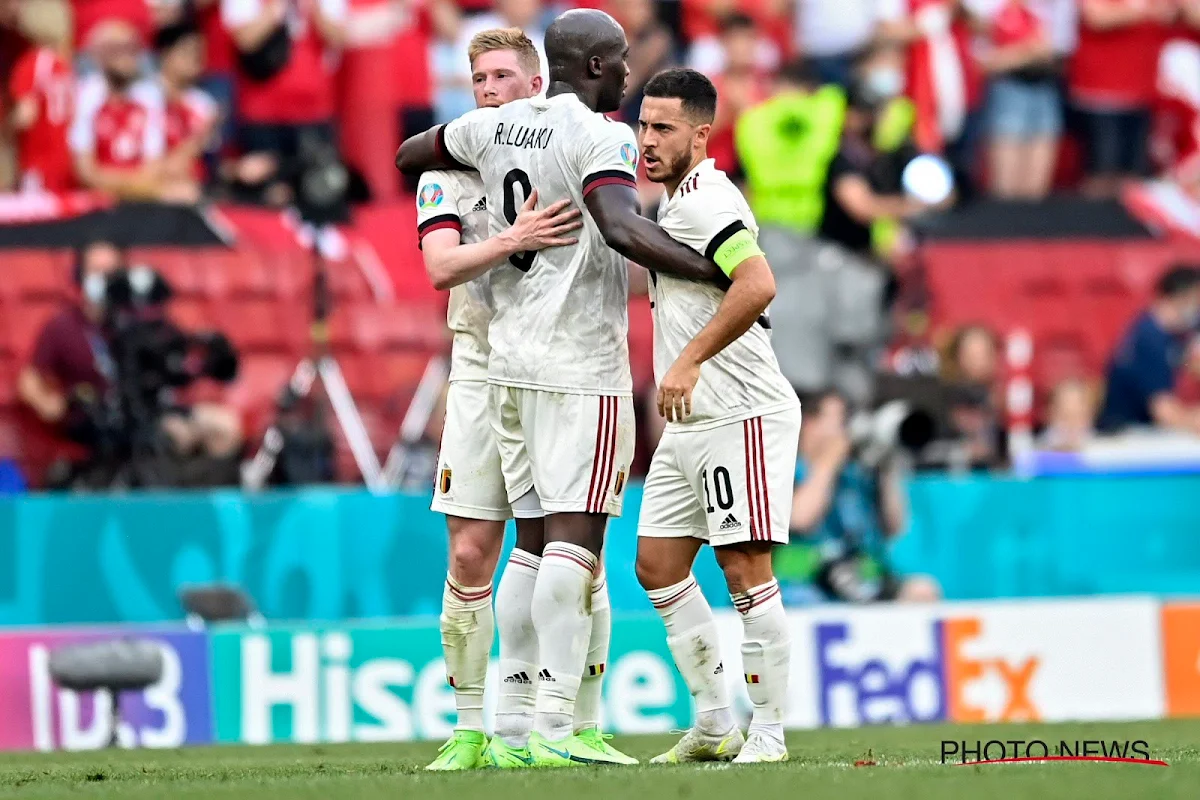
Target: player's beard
680,165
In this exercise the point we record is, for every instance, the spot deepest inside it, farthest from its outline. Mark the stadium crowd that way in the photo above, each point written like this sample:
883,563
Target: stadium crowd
127,95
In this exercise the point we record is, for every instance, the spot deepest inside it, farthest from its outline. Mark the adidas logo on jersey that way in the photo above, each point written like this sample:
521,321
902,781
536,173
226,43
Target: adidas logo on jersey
730,523
519,677
720,670
481,205
546,676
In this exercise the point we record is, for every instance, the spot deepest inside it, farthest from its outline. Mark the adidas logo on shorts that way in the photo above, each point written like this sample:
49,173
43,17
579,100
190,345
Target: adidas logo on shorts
481,205
519,677
546,676
730,523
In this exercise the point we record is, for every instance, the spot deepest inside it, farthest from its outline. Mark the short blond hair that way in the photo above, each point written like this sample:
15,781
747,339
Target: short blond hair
513,39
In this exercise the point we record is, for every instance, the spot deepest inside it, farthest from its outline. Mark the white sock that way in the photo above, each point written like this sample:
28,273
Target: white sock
591,689
692,638
562,617
518,649
467,626
766,656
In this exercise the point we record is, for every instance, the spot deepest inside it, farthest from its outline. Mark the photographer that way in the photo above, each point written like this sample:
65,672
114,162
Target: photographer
107,383
848,511
71,366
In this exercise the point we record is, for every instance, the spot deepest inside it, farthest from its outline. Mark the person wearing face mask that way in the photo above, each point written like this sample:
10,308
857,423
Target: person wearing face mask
863,184
1143,371
71,369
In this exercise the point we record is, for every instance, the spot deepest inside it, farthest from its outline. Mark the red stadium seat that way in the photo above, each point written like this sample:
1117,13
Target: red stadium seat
347,282
34,274
176,266
231,273
189,314
258,326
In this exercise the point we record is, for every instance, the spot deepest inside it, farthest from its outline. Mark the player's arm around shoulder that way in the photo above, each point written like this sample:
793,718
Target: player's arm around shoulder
450,262
455,145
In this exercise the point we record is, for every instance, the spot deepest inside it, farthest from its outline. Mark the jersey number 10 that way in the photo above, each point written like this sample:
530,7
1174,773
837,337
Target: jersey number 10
515,177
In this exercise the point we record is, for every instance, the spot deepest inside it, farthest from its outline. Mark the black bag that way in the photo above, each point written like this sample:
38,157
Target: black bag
270,57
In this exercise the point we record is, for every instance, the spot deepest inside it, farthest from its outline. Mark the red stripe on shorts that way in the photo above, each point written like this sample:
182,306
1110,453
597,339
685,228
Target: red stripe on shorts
600,429
749,479
765,507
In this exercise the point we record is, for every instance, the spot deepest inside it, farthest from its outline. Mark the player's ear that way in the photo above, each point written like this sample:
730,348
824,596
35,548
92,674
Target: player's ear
702,133
535,84
593,66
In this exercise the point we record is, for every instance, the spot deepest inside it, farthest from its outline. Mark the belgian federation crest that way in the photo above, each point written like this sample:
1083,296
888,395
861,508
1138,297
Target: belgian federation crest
620,484
444,481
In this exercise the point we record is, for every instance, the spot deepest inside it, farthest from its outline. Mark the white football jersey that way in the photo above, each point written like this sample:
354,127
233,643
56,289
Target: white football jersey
744,379
452,199
562,315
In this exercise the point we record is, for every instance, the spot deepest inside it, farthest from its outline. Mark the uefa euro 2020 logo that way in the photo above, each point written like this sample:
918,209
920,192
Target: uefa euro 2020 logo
431,196
629,155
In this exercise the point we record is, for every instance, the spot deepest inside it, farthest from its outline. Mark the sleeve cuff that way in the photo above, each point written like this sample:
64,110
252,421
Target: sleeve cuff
438,223
444,152
606,177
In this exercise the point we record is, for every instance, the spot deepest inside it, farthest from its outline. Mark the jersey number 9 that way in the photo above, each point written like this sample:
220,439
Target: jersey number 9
514,178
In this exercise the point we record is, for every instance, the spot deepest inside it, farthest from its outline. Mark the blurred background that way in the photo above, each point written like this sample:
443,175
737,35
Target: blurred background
221,360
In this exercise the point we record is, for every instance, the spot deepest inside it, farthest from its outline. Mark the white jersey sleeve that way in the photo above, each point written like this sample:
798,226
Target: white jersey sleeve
463,139
704,219
455,200
438,203
610,157
707,213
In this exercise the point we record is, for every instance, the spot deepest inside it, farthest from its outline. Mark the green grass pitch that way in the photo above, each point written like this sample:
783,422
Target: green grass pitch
822,767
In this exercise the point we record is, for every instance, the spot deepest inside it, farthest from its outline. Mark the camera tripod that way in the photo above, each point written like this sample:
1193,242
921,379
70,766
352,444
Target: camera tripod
321,368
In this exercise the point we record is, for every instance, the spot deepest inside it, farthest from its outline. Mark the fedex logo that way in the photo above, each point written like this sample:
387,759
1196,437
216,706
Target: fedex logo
943,678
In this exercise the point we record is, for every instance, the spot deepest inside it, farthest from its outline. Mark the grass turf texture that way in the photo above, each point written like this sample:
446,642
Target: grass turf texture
822,767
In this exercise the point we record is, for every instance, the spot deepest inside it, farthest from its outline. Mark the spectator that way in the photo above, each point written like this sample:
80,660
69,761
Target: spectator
863,184
528,15
973,358
42,91
12,45
702,26
1112,86
1069,422
192,115
452,95
850,511
833,32
942,79
649,49
974,436
285,90
118,136
741,84
1024,115
710,53
1143,370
